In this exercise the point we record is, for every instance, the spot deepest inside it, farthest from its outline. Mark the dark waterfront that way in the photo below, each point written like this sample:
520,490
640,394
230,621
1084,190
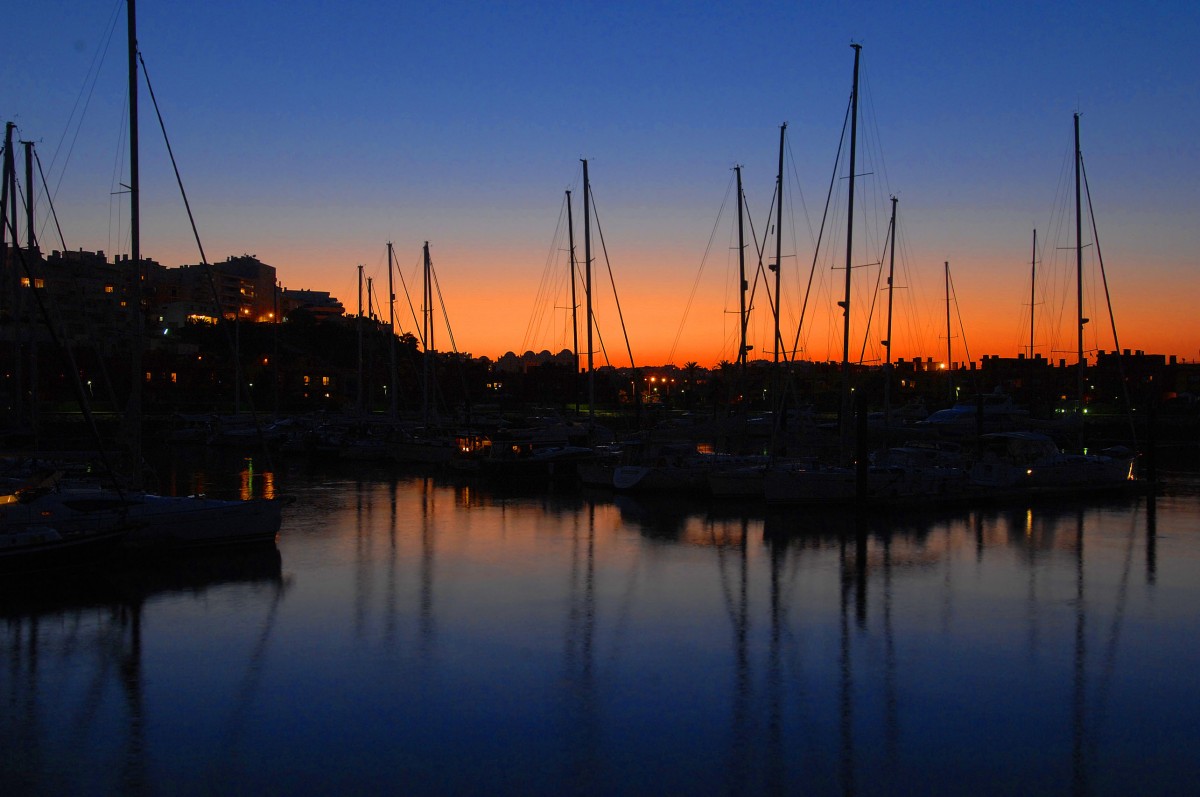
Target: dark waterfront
414,635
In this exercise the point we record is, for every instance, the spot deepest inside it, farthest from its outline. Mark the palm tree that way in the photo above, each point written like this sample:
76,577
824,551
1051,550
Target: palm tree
690,368
726,373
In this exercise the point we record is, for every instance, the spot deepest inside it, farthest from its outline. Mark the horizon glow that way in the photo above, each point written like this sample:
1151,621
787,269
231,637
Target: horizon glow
311,139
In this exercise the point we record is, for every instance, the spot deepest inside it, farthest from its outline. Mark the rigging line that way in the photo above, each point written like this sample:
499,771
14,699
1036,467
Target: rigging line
373,295
239,371
68,354
437,392
418,333
546,284
395,268
174,165
462,371
94,73
1037,261
1096,239
820,235
800,193
1112,319
380,259
445,314
703,260
871,312
544,300
559,279
759,272
1060,216
792,222
596,331
115,180
905,281
961,330
877,140
775,303
758,252
612,280
49,200
21,195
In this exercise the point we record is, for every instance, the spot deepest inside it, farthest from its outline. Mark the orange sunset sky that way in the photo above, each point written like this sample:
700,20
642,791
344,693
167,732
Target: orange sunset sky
312,139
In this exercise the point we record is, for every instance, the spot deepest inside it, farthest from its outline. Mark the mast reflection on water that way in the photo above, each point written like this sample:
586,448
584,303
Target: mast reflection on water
418,633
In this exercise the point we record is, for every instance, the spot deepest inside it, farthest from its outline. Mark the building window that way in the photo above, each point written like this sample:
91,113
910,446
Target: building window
108,289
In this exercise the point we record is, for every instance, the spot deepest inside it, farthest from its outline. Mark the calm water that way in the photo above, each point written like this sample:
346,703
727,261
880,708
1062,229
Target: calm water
414,636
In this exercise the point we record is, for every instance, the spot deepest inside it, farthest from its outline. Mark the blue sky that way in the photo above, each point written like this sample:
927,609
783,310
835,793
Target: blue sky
310,133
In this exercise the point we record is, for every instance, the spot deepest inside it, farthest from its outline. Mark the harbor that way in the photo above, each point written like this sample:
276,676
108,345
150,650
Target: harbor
867,474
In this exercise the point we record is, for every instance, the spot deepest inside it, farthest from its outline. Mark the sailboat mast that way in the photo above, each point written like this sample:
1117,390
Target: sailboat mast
135,240
1032,289
587,287
8,201
1079,270
949,351
8,294
779,238
391,336
4,196
887,344
31,248
741,358
360,337
845,303
367,401
429,298
30,234
891,282
427,323
134,409
574,301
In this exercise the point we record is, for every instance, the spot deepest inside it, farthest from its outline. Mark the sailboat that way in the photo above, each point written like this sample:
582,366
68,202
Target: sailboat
801,481
49,514
1032,462
32,537
33,519
169,521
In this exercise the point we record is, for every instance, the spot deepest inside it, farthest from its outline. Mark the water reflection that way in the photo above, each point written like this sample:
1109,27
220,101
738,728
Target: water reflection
75,676
587,643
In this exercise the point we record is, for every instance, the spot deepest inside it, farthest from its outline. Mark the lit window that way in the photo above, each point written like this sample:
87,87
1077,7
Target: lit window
108,289
325,381
147,376
306,380
174,377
